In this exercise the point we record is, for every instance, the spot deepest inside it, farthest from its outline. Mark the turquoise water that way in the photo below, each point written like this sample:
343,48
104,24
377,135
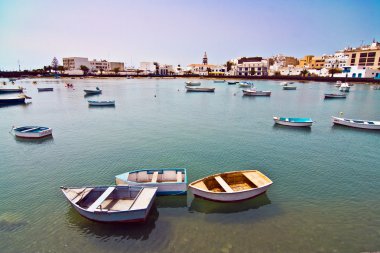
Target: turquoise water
325,196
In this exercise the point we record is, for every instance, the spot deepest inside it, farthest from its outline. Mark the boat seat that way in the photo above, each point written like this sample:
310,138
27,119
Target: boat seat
154,177
179,176
256,180
81,195
30,129
101,199
223,183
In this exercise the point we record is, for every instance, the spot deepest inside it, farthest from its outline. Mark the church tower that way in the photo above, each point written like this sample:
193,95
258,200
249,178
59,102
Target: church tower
205,61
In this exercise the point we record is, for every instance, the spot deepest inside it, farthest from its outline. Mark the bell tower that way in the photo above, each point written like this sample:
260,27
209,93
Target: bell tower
205,61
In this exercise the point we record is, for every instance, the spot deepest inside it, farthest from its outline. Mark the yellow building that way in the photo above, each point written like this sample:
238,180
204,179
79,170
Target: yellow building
368,56
312,62
305,61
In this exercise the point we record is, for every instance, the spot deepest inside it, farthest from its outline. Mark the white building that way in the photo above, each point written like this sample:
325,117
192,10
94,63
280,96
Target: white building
290,71
358,72
148,68
99,65
338,60
250,66
74,63
165,69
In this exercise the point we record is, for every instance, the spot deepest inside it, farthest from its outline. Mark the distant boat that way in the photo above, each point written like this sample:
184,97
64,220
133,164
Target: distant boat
297,122
376,87
14,100
18,89
91,92
333,95
345,87
245,84
286,86
232,83
32,132
101,103
45,89
69,85
284,83
231,186
254,92
12,79
193,83
112,203
198,89
219,81
364,124
169,181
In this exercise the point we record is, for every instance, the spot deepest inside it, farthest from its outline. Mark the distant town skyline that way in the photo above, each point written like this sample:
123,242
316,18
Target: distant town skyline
179,32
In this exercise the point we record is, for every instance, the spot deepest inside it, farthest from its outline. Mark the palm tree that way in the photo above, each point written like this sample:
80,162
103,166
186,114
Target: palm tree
85,69
334,71
101,71
304,72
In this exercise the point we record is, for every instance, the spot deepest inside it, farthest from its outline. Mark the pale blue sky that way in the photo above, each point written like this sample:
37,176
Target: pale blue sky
178,32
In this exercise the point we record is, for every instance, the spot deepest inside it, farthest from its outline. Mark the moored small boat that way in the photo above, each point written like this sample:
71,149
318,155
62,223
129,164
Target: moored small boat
193,83
364,124
254,92
90,92
101,103
334,95
232,82
288,87
45,89
14,100
32,132
112,203
198,89
219,81
171,181
18,89
231,186
376,87
245,84
297,122
344,87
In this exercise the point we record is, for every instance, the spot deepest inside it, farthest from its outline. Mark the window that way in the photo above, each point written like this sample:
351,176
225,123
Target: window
362,60
369,64
353,55
352,60
371,54
370,59
363,55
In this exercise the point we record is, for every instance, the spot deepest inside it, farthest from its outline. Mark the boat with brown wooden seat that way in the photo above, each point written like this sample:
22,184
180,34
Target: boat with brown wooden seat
231,186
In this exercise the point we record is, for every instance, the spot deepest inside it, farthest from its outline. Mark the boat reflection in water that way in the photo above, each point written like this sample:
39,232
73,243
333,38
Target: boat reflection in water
45,140
117,231
305,130
208,207
173,201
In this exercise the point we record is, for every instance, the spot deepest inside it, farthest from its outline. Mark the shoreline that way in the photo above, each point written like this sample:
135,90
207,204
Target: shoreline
275,78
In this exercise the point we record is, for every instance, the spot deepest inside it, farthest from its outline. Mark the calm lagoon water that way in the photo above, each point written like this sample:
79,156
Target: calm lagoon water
325,196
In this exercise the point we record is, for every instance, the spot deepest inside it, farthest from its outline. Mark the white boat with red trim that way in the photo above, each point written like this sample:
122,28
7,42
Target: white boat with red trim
32,132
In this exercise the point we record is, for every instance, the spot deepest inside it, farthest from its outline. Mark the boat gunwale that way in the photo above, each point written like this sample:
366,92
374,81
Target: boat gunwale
191,185
139,170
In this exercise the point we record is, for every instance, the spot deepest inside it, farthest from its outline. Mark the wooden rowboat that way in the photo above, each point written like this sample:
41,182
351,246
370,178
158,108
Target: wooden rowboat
112,203
171,181
364,124
18,89
193,83
254,92
92,92
335,96
231,186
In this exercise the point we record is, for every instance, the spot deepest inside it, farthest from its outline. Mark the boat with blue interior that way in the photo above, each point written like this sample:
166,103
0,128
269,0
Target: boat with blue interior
297,122
119,203
169,181
246,84
357,123
32,132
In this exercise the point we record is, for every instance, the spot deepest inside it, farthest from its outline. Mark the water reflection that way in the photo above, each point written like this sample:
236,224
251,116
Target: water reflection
278,127
47,139
171,201
91,95
23,104
104,231
206,206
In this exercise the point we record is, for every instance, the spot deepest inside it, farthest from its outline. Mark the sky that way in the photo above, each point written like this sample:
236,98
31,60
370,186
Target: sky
179,32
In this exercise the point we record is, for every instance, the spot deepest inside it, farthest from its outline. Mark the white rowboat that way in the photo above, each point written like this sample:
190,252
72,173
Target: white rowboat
32,132
112,203
364,124
101,103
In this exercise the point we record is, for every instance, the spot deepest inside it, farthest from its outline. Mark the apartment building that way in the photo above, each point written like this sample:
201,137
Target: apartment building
368,56
250,66
74,63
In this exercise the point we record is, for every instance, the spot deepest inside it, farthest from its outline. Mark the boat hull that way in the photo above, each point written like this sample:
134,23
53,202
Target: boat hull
104,103
289,88
343,122
12,101
33,135
193,83
293,124
11,90
163,189
189,89
91,92
331,96
257,93
44,89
